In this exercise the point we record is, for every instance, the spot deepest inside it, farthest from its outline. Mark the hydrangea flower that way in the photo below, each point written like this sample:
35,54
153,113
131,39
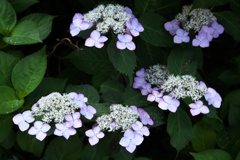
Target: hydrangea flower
198,107
201,40
181,36
125,41
88,111
139,82
63,130
169,103
134,27
131,140
155,96
23,120
202,21
73,120
141,73
213,98
78,24
79,98
144,117
94,135
139,128
146,88
218,29
172,26
39,129
96,40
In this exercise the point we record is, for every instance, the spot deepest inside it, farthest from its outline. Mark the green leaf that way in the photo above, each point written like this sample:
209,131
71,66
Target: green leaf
90,60
144,6
43,21
6,125
235,6
230,22
122,154
87,90
207,3
61,149
8,100
25,32
21,5
227,137
154,32
29,72
148,55
212,154
9,141
169,9
233,115
230,77
29,143
7,62
123,60
203,137
156,115
142,158
182,61
132,96
47,86
238,156
8,17
102,108
179,127
112,91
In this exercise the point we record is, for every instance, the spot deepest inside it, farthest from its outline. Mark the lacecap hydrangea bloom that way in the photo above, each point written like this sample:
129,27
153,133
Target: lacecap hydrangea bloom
159,86
113,17
130,120
63,110
201,21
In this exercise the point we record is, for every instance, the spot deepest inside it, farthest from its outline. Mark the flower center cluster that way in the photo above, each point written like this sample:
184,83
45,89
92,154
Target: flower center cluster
54,107
108,17
120,118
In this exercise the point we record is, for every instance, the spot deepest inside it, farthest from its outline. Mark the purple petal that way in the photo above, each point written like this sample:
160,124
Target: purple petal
199,103
163,105
172,108
76,115
60,126
129,134
131,147
99,45
134,22
177,39
180,32
131,46
74,31
204,109
77,123
134,32
204,43
195,112
95,35
186,39
77,16
46,127
138,139
121,45
93,140
89,42
140,28
71,131
168,26
192,105
89,133
96,129
33,131
145,131
58,132
68,117
100,135
18,118
151,98
102,39
85,25
23,126
195,42
124,142
121,38
66,134
41,135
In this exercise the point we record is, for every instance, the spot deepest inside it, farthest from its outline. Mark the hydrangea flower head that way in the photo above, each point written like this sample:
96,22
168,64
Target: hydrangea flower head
96,40
181,36
23,120
131,140
63,130
39,129
169,103
198,107
125,41
94,135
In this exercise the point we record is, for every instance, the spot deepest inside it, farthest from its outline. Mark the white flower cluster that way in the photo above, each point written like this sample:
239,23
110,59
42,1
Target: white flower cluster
157,75
54,107
120,118
183,86
196,18
108,17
